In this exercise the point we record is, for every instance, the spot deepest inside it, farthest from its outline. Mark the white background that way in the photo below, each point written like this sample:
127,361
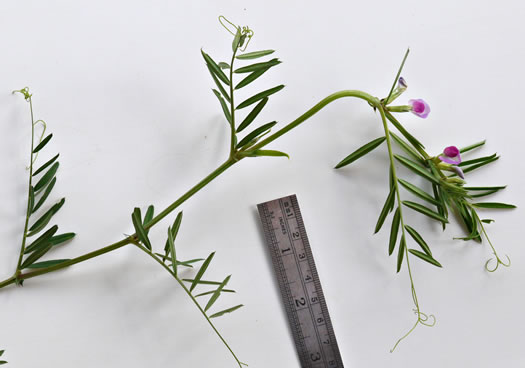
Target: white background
124,89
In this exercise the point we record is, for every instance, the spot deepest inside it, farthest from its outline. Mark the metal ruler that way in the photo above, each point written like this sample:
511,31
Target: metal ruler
299,283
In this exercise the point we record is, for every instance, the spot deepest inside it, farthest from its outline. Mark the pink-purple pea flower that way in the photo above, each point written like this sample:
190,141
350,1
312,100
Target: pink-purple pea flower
451,155
419,107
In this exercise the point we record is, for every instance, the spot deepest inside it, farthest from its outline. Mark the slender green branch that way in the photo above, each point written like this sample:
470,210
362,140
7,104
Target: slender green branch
128,240
421,151
231,161
396,186
190,192
402,224
312,111
8,281
28,212
76,260
227,164
188,292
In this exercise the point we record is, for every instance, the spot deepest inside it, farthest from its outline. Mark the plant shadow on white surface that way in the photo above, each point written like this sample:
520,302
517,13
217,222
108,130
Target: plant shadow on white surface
445,173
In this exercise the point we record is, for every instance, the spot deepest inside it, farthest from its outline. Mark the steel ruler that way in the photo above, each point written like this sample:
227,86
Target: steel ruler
299,283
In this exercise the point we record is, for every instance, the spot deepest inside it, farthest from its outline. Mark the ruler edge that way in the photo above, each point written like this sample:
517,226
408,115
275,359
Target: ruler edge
296,330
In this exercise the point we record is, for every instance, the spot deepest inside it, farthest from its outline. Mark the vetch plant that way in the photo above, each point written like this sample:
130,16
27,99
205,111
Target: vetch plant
449,193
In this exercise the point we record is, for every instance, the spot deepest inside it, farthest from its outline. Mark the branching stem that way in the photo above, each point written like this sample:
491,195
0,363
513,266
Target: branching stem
227,164
188,292
234,157
30,184
421,317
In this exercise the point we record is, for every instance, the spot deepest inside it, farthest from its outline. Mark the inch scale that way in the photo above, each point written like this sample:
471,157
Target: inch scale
299,283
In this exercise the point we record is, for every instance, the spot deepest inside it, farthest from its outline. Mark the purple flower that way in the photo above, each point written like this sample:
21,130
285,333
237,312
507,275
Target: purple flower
452,156
419,107
401,83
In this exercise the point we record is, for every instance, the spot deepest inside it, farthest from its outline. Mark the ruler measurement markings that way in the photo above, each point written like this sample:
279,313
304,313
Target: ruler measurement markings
299,284
291,237
298,316
299,332
317,282
281,271
310,293
287,293
295,235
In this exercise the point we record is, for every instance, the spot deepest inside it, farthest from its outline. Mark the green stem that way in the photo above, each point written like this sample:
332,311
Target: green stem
73,261
402,108
8,281
127,240
188,292
28,212
312,111
400,206
227,164
421,151
398,196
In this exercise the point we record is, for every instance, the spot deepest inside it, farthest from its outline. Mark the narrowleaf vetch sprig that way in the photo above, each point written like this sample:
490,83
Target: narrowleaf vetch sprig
38,193
445,174
449,193
49,239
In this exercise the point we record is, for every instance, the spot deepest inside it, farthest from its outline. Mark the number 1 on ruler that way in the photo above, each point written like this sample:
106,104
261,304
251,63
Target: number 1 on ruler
299,283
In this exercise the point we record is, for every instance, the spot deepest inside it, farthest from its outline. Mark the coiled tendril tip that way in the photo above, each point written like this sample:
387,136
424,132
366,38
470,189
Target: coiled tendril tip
233,30
498,262
25,92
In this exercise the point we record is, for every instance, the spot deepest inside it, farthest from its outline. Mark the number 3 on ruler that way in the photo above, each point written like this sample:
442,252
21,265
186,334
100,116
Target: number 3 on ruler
299,283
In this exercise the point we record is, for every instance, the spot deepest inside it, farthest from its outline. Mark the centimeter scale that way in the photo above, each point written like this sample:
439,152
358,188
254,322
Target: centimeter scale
299,282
